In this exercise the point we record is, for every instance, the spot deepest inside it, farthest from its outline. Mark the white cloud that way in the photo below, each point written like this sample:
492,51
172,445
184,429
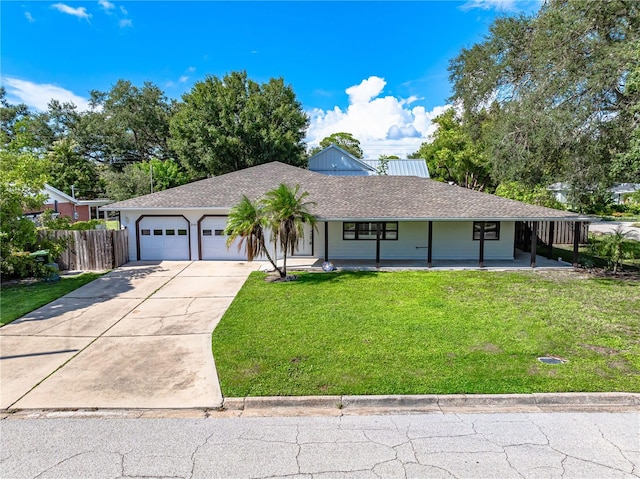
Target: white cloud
80,12
191,69
38,96
106,4
503,5
383,125
123,11
29,17
125,22
366,90
183,79
500,5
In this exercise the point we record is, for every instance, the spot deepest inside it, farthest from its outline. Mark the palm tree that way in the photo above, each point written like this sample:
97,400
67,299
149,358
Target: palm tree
288,212
615,247
246,221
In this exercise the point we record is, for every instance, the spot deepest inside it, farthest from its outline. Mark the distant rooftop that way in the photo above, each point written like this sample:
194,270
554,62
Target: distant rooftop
335,161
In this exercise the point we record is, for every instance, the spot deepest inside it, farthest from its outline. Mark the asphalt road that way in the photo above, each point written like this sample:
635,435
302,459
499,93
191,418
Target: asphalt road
499,445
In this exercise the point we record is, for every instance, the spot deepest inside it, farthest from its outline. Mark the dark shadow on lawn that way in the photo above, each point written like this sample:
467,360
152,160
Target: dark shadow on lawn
109,285
310,278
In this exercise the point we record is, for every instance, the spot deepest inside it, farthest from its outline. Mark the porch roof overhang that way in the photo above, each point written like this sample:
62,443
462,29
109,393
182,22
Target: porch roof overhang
582,219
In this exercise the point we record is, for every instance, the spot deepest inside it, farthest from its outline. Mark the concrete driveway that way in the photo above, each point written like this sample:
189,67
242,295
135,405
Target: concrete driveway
138,337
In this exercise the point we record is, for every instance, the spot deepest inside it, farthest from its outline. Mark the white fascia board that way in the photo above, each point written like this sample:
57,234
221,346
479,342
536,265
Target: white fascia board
182,208
351,220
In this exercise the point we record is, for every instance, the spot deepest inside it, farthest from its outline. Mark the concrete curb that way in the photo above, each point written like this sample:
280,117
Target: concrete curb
362,405
540,402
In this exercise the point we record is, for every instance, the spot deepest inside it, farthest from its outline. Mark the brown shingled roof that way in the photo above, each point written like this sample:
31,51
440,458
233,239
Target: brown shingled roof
348,197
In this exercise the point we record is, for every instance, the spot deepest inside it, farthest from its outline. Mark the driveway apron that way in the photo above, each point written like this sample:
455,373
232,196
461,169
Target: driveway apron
138,337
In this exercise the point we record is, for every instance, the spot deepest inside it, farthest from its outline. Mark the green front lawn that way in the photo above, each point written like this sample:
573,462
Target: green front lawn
16,300
429,333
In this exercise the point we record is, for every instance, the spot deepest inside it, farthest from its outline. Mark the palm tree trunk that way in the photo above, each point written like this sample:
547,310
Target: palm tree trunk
284,264
274,263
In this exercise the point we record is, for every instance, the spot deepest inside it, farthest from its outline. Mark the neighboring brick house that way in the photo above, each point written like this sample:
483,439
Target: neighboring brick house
65,205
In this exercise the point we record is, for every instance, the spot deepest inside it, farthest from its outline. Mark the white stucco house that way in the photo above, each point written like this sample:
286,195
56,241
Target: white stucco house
335,161
619,192
359,217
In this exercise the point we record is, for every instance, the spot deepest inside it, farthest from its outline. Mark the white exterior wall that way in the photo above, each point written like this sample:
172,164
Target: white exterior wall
454,240
128,219
451,240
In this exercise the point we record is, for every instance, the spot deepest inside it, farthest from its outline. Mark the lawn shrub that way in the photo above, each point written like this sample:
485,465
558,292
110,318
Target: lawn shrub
21,265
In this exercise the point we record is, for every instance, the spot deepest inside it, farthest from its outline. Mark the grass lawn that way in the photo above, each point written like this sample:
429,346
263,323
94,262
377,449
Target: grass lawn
16,300
429,333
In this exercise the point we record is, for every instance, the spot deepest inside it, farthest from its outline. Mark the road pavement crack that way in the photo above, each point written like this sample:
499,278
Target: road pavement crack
57,464
195,451
299,448
617,448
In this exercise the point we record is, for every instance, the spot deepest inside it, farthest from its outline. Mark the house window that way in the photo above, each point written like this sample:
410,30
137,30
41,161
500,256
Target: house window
182,232
145,232
157,232
206,232
170,232
219,232
367,231
491,230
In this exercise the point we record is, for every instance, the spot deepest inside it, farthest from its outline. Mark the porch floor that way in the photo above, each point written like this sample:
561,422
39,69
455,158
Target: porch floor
521,261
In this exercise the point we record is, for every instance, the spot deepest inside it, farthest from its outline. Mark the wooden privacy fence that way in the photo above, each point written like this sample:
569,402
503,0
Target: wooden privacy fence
92,250
563,232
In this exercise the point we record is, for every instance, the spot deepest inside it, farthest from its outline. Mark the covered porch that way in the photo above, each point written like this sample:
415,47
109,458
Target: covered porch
521,261
469,243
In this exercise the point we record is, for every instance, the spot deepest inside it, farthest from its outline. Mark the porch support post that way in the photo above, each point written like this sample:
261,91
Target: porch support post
429,245
378,229
576,242
552,232
326,241
481,258
534,242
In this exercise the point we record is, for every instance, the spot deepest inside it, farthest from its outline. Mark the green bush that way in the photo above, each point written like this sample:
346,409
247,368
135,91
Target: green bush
48,221
22,265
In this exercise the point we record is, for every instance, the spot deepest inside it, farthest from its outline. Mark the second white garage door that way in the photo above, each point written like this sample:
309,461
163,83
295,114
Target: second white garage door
213,242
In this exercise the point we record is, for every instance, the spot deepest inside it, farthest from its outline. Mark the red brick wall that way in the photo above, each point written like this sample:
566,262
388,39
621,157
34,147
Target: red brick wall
66,209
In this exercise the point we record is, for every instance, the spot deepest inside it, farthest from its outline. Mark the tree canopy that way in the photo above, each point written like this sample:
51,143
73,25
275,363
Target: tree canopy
344,140
554,96
230,123
452,155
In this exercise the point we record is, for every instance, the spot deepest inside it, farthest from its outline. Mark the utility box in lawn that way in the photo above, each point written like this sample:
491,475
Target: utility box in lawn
43,256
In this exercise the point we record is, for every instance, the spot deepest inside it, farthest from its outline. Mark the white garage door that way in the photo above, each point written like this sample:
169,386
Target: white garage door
164,237
213,241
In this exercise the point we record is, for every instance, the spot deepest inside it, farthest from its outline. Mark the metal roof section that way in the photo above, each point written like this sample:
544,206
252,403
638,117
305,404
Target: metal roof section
333,160
403,167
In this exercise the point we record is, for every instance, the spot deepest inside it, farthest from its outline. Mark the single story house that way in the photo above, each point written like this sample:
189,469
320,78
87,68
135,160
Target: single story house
335,161
65,205
619,192
359,217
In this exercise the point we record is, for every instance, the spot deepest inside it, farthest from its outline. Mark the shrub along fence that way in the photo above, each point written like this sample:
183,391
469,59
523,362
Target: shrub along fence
92,250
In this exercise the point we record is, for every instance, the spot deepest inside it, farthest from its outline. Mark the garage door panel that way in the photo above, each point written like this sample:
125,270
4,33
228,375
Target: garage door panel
164,238
213,241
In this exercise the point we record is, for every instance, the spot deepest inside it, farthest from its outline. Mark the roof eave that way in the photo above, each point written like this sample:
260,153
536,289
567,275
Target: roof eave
581,219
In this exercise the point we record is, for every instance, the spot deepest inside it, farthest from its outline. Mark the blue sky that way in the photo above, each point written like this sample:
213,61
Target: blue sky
375,69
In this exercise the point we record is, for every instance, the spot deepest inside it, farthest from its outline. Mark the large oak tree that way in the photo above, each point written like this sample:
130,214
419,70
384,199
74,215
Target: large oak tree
558,87
230,123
